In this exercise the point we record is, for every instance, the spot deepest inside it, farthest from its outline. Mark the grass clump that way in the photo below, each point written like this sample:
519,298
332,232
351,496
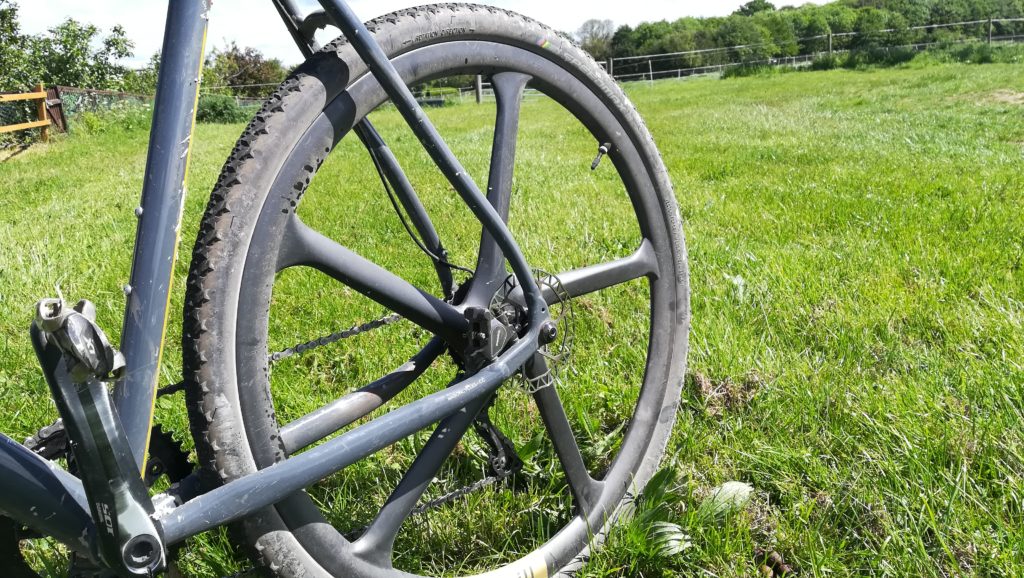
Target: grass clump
128,116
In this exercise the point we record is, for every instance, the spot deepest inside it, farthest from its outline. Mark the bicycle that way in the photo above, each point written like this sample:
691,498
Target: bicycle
495,329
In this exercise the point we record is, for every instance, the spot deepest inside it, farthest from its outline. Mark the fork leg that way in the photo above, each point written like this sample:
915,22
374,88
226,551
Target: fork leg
384,71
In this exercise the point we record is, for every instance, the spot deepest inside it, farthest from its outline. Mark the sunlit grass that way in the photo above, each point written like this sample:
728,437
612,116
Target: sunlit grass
856,243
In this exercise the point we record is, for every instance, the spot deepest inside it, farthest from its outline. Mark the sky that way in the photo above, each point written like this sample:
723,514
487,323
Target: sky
256,23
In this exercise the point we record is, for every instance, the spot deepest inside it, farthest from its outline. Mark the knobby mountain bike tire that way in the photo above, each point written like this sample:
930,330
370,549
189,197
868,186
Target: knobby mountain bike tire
231,298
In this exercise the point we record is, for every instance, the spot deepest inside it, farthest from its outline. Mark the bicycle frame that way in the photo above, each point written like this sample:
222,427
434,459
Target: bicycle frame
37,493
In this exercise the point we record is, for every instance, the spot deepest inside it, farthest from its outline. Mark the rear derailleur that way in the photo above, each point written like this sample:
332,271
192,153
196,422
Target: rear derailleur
489,337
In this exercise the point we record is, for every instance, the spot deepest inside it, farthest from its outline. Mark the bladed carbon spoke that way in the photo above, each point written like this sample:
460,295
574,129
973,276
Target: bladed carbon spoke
304,246
580,282
343,412
585,489
508,90
377,543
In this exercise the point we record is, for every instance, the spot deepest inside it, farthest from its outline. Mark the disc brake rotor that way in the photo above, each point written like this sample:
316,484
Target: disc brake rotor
506,305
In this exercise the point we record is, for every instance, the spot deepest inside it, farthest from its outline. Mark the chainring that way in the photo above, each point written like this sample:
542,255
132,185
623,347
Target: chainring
166,458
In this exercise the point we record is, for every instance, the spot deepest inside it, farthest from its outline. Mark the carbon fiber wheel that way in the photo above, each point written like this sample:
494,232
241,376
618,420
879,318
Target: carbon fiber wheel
298,180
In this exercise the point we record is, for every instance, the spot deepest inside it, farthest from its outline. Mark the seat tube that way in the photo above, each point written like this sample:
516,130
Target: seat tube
159,218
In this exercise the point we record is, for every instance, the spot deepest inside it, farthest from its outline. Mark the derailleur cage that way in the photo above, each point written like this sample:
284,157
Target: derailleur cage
502,458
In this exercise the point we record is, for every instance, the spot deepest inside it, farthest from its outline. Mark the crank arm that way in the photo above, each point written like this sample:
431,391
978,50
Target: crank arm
128,540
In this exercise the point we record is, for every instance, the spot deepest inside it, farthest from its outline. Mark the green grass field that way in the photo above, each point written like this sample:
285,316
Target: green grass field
857,353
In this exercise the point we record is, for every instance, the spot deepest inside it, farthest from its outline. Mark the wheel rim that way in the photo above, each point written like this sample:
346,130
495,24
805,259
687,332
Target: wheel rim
299,514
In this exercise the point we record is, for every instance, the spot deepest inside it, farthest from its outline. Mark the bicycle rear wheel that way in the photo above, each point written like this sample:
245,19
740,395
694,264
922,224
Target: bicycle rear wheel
244,295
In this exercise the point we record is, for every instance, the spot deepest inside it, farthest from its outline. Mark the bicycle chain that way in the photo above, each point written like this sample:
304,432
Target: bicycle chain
448,498
459,493
302,348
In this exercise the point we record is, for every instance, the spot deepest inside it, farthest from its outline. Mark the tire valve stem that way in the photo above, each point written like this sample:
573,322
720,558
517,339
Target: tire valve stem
603,150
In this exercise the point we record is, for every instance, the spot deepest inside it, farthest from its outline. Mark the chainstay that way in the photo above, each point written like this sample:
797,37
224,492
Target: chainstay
334,337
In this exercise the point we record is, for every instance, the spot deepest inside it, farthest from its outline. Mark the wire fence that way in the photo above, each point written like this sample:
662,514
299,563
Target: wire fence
719,59
75,101
804,60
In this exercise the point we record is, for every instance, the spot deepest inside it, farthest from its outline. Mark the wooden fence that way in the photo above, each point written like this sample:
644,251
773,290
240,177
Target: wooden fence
41,109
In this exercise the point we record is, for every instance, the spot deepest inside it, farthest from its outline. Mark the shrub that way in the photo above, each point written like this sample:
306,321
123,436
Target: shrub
749,70
830,62
218,108
880,56
127,116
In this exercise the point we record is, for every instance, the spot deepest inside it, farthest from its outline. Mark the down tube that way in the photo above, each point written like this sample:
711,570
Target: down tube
157,238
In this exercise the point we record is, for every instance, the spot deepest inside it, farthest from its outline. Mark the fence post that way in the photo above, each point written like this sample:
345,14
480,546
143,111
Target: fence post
611,66
990,30
650,68
830,43
479,89
54,108
41,110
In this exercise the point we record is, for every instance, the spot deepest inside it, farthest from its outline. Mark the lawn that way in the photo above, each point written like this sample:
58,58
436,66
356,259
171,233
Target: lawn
857,353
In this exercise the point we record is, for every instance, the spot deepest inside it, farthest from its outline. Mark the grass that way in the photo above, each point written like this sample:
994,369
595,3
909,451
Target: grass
856,355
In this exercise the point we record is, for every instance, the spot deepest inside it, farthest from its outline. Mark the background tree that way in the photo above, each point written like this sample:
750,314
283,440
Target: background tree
753,7
813,29
242,72
649,35
74,54
71,53
595,36
623,43
142,80
781,31
750,42
870,25
13,52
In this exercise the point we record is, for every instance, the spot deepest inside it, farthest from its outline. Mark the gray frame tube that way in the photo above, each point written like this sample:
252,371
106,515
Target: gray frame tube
45,498
163,197
246,495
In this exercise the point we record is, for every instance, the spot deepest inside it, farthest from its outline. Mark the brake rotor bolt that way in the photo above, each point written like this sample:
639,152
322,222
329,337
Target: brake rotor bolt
548,332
